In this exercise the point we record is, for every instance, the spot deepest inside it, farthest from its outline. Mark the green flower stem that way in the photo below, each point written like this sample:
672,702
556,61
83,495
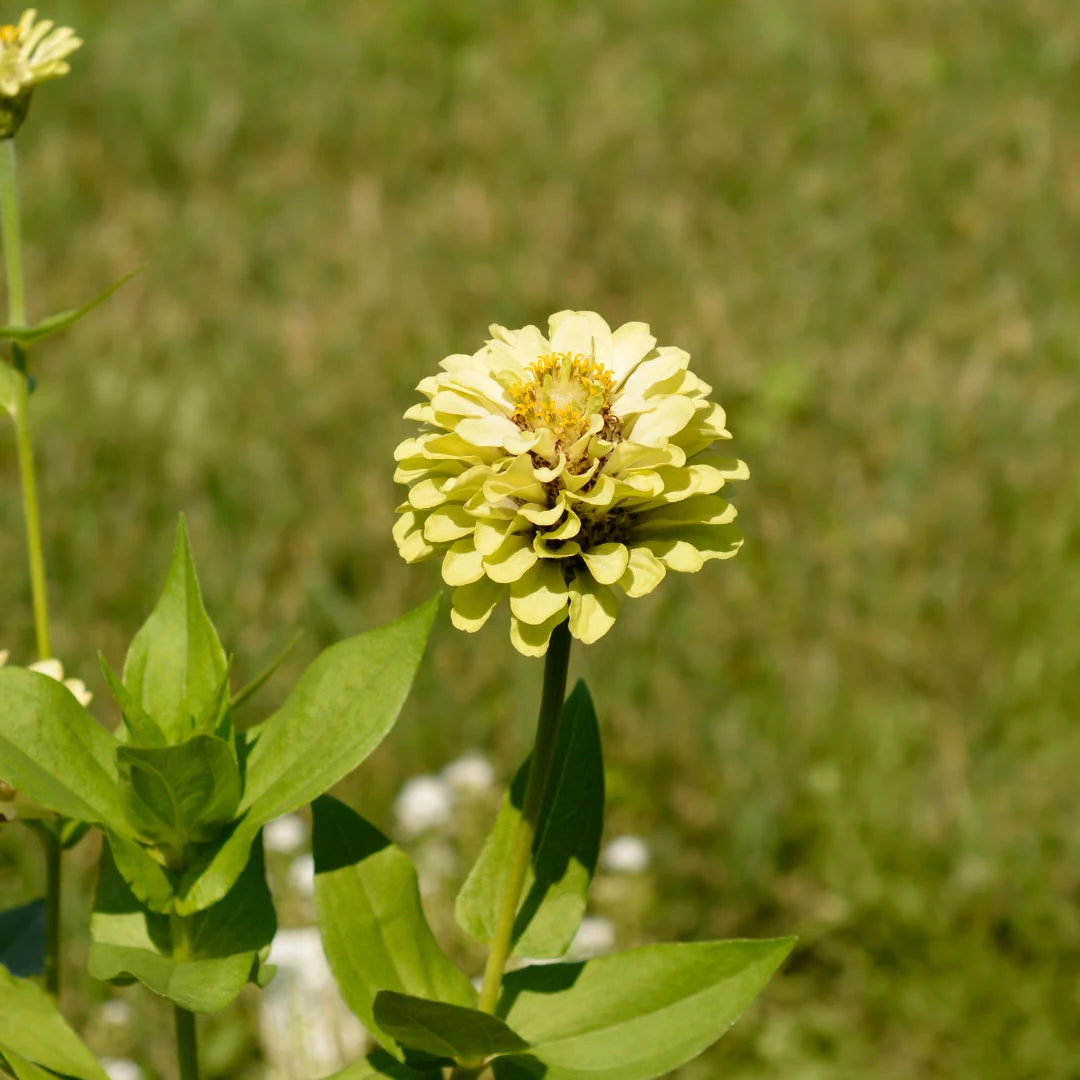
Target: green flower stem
547,730
187,1048
9,219
16,295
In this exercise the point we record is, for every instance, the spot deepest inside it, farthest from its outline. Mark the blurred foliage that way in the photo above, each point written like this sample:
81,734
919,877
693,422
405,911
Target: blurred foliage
862,217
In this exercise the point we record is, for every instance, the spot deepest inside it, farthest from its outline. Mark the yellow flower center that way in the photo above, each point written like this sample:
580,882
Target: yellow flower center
9,35
564,392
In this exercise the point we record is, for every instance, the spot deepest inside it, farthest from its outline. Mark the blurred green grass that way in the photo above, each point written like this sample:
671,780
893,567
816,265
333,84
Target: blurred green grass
862,217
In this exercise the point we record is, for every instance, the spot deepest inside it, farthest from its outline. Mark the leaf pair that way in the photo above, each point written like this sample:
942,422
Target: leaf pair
630,1016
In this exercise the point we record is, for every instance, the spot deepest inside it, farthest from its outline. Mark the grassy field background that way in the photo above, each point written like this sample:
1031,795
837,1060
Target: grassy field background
862,217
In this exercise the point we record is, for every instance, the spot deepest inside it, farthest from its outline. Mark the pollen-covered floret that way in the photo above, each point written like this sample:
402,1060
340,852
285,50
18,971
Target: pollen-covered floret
555,470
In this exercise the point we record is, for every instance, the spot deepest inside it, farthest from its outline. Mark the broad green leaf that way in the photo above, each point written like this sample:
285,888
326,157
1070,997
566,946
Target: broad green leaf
31,1028
222,947
175,796
447,1031
22,939
175,666
53,324
8,377
339,711
27,1070
146,877
379,1064
565,849
372,923
632,1015
54,751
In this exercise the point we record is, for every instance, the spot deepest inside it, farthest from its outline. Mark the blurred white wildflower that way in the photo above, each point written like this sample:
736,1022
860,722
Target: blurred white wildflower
302,876
285,835
122,1069
306,1028
471,775
425,802
116,1013
435,861
596,935
626,855
55,670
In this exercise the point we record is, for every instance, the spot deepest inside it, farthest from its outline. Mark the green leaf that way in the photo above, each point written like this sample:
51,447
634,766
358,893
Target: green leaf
53,324
223,942
175,666
139,728
632,1015
27,1070
8,387
31,1028
372,923
447,1031
22,939
174,796
340,710
54,752
565,849
379,1064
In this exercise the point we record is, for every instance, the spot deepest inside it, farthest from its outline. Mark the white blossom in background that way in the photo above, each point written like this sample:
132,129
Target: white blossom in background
626,855
285,835
471,775
122,1069
116,1013
302,876
55,670
425,802
305,1026
435,862
595,936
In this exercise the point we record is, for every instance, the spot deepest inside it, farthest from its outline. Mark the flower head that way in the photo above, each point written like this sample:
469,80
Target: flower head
556,469
30,53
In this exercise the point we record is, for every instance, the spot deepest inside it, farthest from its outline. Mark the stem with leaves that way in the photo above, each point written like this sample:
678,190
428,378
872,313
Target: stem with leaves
547,732
16,295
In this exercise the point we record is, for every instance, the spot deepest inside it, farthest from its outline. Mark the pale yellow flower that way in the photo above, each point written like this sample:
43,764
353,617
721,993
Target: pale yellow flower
31,52
55,670
555,470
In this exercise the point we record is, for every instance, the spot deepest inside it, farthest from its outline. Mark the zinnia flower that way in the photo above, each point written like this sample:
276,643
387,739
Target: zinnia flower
557,469
30,53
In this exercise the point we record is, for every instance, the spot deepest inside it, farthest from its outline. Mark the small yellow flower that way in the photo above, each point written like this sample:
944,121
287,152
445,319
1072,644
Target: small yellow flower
30,53
55,670
555,469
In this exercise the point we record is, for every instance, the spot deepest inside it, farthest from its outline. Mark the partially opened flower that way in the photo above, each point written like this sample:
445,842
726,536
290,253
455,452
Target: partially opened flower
554,470
30,53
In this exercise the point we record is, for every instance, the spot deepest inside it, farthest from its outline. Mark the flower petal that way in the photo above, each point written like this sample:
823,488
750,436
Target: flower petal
644,572
539,594
471,605
607,562
592,609
533,640
462,564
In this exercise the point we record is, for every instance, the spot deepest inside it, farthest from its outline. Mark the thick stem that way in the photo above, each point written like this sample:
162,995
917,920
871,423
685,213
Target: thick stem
187,1047
547,732
53,852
